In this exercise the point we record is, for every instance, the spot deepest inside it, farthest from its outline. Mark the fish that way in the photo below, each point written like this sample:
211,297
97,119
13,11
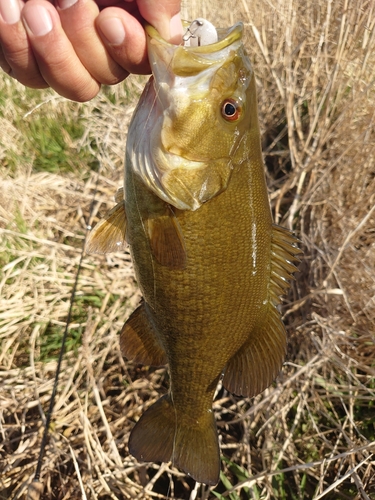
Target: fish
209,260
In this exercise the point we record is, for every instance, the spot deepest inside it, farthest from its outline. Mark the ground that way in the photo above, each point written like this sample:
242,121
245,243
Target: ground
310,435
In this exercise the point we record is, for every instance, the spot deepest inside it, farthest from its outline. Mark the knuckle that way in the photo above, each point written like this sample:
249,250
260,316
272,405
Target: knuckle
115,78
32,80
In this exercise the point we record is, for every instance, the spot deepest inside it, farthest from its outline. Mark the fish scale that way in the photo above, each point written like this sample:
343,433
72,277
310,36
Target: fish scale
210,263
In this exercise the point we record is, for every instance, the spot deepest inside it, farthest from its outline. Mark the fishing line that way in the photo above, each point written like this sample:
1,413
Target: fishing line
35,489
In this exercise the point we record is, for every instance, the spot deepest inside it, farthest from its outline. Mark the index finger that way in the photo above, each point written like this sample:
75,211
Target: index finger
164,15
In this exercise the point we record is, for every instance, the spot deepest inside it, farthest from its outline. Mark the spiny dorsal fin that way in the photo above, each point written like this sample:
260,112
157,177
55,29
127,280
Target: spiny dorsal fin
166,239
139,339
284,253
109,233
260,359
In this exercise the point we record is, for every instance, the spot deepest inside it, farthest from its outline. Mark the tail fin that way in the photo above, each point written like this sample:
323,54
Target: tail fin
157,437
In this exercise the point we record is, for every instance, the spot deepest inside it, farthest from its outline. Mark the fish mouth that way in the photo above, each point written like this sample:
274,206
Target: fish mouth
183,60
226,36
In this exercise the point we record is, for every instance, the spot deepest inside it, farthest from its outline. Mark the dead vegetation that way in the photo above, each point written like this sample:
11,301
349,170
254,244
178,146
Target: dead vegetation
309,436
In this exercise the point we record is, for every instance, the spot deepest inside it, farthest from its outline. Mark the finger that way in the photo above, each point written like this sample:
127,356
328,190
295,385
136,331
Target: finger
125,39
78,21
17,58
58,62
111,3
164,15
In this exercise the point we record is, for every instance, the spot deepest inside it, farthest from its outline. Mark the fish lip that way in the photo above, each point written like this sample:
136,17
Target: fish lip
168,60
226,38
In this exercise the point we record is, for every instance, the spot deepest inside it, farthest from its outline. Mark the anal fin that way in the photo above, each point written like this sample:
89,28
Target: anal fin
139,339
260,359
109,233
158,436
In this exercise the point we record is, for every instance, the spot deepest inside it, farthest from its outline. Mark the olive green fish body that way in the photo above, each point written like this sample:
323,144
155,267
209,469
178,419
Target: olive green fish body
210,263
205,312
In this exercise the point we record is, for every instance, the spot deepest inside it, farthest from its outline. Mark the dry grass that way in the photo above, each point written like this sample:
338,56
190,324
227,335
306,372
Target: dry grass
309,436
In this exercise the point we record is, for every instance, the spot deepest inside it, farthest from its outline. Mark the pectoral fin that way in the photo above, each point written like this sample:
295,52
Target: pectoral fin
139,339
166,239
109,233
190,188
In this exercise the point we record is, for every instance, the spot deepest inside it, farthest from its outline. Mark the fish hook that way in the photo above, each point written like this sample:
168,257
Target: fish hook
200,32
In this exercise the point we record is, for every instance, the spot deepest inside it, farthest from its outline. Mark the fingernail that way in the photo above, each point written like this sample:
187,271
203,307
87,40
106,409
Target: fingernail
38,20
10,11
65,4
113,30
175,29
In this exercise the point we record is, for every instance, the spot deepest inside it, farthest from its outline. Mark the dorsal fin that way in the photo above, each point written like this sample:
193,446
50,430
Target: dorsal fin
109,233
284,255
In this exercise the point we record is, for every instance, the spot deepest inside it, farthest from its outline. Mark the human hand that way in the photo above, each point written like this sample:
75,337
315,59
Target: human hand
74,46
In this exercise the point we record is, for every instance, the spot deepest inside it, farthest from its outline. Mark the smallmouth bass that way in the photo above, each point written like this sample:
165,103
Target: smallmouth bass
210,263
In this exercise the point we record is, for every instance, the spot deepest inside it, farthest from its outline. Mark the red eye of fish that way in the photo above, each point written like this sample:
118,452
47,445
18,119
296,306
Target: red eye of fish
230,110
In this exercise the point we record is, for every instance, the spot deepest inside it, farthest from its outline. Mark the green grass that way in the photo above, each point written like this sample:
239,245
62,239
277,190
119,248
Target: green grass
51,335
238,474
50,131
50,144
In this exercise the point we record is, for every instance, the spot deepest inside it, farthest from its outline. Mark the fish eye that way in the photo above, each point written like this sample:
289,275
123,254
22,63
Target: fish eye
230,109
